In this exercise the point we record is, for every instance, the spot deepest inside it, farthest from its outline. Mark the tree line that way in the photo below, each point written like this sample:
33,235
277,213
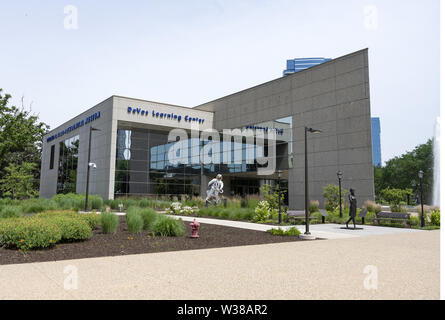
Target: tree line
402,173
21,136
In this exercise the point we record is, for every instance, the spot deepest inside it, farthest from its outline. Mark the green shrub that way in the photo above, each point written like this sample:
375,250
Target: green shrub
415,221
149,216
28,233
233,203
144,203
313,206
395,197
226,213
329,207
332,197
36,206
92,219
370,206
397,208
238,215
271,195
252,201
114,204
95,202
109,222
69,201
10,211
168,227
135,223
128,203
73,201
194,202
377,208
264,212
73,228
289,232
435,217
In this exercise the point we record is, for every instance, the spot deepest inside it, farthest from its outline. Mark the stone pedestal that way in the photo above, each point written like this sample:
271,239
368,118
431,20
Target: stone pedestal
307,236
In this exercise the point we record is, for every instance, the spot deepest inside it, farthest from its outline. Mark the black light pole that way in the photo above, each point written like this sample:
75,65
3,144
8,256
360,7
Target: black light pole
88,167
422,218
279,195
306,180
340,175
414,185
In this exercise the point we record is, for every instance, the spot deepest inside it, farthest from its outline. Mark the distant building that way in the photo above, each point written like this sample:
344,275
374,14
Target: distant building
376,150
299,64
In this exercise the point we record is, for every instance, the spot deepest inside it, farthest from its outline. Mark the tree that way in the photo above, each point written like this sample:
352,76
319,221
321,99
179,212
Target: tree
395,196
402,172
271,195
331,195
17,182
21,136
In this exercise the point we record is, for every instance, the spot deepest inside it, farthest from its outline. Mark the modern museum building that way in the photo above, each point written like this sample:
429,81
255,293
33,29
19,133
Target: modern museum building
130,150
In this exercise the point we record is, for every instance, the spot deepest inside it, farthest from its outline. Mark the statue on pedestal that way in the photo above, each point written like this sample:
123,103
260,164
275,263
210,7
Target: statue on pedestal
215,189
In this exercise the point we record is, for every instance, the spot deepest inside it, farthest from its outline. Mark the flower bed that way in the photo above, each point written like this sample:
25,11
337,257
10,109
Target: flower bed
122,242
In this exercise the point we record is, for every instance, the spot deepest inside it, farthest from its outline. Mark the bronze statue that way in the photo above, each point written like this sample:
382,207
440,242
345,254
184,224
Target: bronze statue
352,207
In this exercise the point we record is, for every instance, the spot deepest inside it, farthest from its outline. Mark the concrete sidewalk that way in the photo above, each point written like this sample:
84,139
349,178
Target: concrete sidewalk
327,231
403,266
322,231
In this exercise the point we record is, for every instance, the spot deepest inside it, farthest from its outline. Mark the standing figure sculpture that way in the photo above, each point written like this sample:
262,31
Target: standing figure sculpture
352,207
215,189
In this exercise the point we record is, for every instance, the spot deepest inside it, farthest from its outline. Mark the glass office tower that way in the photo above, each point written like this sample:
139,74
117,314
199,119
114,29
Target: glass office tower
299,64
376,149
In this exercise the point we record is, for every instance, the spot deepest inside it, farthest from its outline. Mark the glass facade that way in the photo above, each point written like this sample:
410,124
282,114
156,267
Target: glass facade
299,64
143,165
376,149
67,168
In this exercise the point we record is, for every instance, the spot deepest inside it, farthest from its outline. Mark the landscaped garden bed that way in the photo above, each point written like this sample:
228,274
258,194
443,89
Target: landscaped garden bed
123,243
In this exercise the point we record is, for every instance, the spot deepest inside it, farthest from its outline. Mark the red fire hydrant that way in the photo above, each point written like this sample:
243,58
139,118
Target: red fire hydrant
195,227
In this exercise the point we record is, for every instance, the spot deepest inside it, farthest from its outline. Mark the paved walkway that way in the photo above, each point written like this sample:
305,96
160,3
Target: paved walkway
322,231
328,231
402,266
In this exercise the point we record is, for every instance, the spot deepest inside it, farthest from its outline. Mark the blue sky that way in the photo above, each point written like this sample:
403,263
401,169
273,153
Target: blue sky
190,52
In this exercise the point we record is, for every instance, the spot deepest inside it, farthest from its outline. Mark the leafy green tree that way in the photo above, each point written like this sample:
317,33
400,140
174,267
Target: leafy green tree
21,136
271,195
402,172
332,198
18,181
395,196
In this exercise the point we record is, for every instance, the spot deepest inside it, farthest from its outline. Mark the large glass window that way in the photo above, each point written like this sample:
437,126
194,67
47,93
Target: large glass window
67,169
51,159
143,166
283,129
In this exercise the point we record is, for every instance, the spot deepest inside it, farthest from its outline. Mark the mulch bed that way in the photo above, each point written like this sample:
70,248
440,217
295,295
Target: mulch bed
124,242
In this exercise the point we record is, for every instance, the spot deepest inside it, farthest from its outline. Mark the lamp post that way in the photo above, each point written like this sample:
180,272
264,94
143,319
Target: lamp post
340,175
306,179
279,195
90,164
414,186
422,218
